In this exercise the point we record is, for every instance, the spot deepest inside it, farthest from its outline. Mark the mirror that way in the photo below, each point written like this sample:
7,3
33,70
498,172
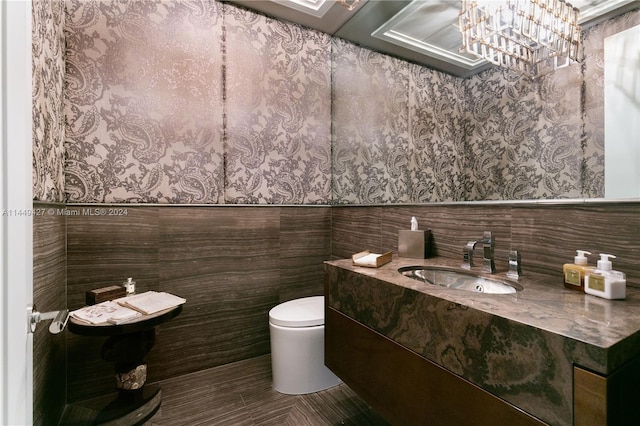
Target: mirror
622,110
404,134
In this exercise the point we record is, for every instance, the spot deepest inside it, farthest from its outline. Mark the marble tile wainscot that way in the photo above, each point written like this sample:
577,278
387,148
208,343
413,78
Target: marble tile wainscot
232,263
179,248
521,348
547,233
49,294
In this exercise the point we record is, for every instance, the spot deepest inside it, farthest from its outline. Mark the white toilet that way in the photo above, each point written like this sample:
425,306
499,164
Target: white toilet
297,347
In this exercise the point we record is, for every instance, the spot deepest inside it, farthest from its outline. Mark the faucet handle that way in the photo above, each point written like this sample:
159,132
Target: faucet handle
515,269
467,253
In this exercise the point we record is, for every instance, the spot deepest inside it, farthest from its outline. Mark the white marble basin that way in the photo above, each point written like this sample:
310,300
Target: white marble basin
460,279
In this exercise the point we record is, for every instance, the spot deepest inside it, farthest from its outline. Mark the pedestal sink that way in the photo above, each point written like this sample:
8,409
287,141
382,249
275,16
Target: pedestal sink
460,279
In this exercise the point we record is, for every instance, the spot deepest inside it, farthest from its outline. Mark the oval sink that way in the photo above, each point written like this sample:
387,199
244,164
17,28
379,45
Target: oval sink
459,279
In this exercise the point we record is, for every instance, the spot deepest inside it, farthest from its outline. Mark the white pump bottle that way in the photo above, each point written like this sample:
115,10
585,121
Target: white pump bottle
605,282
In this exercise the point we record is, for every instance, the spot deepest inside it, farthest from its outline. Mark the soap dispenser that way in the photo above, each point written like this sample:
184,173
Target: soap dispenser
130,286
575,272
605,282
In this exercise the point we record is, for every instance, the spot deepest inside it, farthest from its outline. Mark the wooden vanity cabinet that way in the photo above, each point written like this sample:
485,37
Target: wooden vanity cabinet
406,388
610,400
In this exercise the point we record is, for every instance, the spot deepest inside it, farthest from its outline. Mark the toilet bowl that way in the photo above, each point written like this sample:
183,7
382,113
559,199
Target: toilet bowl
296,328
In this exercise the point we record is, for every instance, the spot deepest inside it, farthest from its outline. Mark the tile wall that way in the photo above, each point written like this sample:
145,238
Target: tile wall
545,234
232,264
49,294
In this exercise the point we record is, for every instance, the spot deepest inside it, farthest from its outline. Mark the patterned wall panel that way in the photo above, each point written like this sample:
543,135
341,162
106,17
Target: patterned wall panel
437,137
594,110
524,139
144,101
371,126
48,66
495,136
278,106
144,105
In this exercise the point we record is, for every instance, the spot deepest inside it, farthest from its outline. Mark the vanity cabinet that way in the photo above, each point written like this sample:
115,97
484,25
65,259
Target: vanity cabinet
406,388
419,354
607,400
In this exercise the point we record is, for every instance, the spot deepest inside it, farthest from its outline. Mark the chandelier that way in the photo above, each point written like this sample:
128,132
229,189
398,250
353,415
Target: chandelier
349,4
533,37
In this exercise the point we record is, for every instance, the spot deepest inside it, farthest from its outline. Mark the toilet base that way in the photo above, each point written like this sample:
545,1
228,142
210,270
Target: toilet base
297,360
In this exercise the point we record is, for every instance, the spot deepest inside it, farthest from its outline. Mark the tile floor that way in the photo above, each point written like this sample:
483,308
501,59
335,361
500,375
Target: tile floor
240,394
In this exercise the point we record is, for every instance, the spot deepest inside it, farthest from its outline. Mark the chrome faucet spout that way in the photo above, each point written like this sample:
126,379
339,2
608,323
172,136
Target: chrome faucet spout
488,245
467,253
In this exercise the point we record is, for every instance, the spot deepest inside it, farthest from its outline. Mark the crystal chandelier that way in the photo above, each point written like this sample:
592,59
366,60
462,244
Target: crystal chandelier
349,4
533,37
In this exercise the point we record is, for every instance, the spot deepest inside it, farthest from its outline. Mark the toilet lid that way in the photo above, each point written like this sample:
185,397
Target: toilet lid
305,312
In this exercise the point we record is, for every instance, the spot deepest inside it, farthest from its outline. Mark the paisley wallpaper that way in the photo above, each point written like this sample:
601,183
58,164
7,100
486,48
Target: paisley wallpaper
437,137
371,126
494,136
398,130
47,46
524,136
144,102
204,102
278,110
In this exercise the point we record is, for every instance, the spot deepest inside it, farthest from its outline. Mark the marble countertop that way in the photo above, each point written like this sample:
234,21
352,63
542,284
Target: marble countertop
603,323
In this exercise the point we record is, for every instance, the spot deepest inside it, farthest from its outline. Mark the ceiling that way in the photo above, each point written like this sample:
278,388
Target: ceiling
420,31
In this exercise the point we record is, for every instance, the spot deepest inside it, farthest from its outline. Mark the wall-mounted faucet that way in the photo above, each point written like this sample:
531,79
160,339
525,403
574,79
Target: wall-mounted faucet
488,246
467,252
515,269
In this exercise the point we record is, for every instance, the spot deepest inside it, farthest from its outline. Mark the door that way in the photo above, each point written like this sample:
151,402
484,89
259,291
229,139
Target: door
16,238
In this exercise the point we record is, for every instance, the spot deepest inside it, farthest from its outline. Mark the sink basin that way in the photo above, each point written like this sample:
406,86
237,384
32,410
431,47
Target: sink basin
460,279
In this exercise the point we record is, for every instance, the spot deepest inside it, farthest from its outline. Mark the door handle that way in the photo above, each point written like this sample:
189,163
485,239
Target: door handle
59,318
